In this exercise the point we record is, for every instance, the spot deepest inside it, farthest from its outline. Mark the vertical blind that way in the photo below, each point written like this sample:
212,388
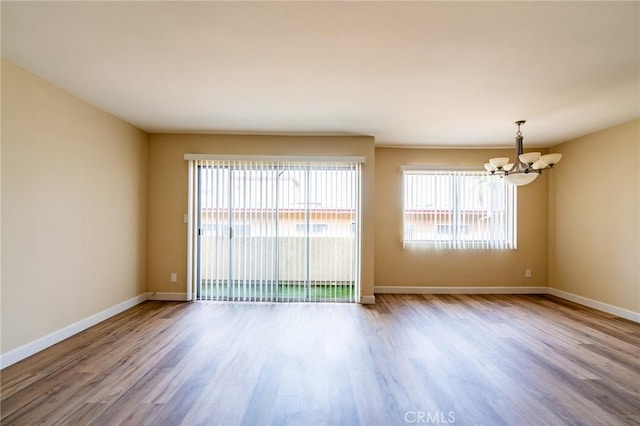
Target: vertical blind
271,230
458,209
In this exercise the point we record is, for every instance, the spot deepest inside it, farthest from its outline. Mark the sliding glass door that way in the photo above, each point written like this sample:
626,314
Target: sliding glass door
276,231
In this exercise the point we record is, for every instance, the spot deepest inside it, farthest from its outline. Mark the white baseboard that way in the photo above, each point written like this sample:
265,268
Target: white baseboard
604,307
459,290
368,300
166,296
44,342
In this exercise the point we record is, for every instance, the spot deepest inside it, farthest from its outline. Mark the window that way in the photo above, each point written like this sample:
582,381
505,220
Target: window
458,209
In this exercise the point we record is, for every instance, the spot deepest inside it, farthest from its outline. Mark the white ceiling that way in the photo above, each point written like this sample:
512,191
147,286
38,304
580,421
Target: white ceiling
408,73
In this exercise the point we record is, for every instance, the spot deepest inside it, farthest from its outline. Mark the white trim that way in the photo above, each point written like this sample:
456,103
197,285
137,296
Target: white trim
600,306
594,304
458,147
368,300
51,339
458,290
166,296
303,158
191,224
440,168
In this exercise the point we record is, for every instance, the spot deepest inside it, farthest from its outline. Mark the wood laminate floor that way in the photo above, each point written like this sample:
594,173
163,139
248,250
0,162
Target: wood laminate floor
432,359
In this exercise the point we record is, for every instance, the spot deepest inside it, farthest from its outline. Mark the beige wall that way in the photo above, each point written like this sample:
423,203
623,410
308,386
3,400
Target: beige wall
167,237
594,238
73,209
398,266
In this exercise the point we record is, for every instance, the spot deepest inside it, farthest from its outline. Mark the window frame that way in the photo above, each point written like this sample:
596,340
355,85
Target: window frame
507,225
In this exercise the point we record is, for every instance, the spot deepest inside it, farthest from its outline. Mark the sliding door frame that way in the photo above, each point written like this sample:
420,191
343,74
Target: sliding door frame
194,219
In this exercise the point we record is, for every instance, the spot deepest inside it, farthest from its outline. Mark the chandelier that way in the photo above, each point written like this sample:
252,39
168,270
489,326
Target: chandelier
527,166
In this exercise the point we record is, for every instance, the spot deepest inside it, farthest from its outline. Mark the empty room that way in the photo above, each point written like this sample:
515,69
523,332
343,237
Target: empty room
320,213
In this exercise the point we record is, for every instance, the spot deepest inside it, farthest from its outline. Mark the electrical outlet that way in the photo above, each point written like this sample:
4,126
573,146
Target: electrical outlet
527,273
174,277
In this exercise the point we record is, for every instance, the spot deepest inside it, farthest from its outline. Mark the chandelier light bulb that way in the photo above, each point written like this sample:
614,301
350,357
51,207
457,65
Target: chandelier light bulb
529,157
499,162
551,159
538,165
